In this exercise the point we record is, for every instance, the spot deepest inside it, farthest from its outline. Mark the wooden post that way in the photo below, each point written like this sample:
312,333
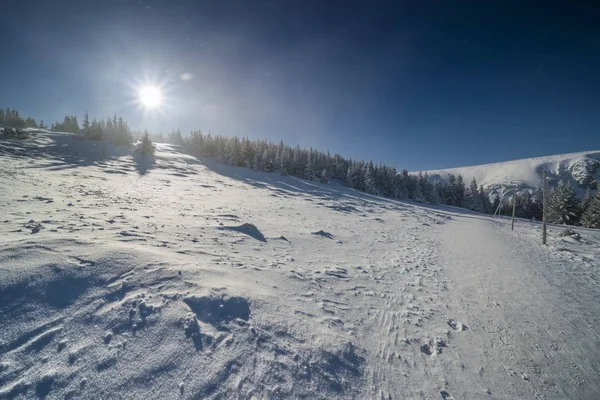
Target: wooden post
544,209
514,206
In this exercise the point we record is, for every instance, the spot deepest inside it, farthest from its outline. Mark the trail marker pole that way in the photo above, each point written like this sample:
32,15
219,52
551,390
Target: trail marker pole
512,228
544,208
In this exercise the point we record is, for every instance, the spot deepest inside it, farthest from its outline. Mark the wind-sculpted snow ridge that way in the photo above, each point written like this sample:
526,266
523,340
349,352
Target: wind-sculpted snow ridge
180,278
579,169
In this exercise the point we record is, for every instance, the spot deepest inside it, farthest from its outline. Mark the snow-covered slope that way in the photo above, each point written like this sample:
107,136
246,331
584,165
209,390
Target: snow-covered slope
124,277
579,169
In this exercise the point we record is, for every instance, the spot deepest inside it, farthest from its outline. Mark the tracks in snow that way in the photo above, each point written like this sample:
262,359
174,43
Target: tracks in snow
396,309
531,316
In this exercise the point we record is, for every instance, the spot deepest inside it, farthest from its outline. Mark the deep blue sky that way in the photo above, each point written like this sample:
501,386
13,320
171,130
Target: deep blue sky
422,84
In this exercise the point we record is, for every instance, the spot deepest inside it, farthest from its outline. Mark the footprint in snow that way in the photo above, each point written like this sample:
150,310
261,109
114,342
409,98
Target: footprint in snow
457,326
433,347
34,226
446,395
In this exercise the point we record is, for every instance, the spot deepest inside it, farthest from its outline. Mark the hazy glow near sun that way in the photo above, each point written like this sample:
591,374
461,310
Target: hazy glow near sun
150,96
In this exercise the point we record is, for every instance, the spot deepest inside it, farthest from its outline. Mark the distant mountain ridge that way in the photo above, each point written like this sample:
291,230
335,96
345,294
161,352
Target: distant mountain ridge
582,170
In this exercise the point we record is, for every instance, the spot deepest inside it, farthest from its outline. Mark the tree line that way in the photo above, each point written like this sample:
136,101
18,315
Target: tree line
113,129
385,180
563,207
12,119
312,164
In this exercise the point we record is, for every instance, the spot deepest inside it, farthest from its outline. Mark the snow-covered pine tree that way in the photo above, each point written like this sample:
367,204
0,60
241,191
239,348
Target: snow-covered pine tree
380,179
234,152
124,134
369,173
248,152
484,200
299,161
12,119
257,163
355,178
399,190
460,191
411,183
339,168
591,216
563,207
266,162
324,179
426,188
109,130
437,192
96,132
451,195
472,200
85,131
401,185
279,157
146,146
417,190
177,138
286,161
587,200
524,205
385,179
30,123
310,169
71,124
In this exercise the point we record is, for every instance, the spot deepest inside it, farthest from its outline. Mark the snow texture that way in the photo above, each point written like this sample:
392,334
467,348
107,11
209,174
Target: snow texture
186,279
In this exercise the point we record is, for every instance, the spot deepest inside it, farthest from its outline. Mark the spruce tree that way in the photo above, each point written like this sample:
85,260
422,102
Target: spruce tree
399,190
460,191
451,191
30,123
310,170
591,216
563,207
369,173
86,125
427,189
472,199
96,131
146,146
417,189
585,203
355,178
484,200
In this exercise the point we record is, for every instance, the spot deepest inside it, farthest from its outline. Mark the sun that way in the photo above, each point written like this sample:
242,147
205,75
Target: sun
150,96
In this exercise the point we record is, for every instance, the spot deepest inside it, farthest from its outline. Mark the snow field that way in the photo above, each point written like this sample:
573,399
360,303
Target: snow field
128,277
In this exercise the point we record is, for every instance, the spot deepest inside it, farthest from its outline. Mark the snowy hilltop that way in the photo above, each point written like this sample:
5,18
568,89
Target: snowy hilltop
168,276
581,170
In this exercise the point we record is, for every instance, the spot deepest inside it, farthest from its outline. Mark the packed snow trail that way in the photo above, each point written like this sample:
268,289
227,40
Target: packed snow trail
532,317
